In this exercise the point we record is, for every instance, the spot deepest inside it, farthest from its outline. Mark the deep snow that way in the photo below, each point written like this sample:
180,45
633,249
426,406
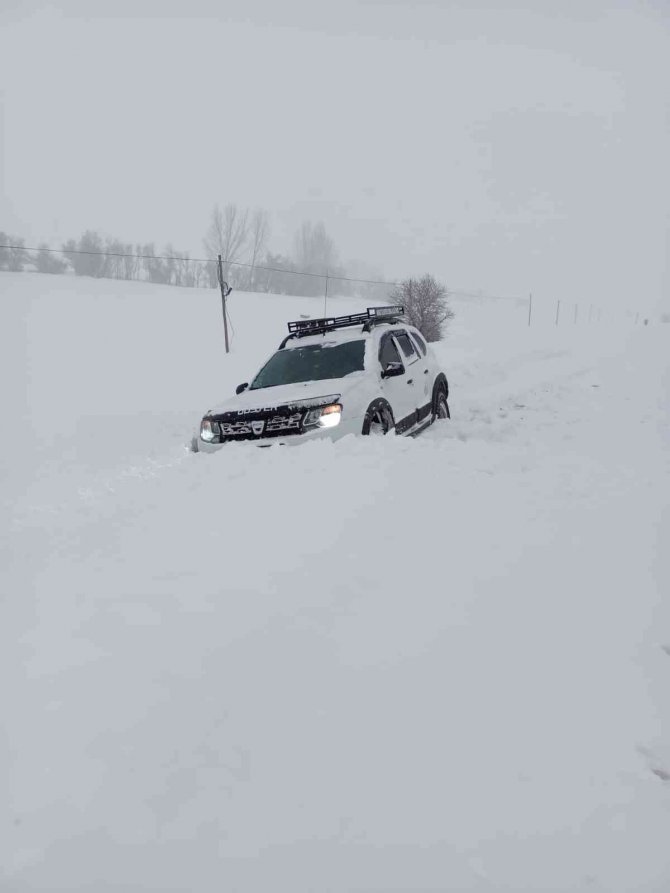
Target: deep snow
380,664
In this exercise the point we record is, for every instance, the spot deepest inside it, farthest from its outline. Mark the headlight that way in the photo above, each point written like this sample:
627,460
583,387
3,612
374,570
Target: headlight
324,416
209,430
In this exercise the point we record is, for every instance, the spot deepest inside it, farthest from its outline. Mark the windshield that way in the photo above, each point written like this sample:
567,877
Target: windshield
314,362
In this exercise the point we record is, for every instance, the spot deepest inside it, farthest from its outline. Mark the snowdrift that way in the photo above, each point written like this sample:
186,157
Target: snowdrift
387,664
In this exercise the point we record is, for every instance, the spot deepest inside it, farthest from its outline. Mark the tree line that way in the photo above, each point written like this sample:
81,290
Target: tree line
242,237
100,257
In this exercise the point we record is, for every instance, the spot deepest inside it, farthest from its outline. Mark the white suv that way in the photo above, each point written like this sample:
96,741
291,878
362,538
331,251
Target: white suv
360,374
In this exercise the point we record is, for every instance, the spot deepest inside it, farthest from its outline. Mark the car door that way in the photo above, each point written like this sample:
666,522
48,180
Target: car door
427,375
412,360
398,389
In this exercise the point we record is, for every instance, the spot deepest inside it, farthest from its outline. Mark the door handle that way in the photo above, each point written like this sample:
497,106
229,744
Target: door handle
410,381
425,372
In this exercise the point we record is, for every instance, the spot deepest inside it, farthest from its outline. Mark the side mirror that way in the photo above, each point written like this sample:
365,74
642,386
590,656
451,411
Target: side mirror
241,387
393,369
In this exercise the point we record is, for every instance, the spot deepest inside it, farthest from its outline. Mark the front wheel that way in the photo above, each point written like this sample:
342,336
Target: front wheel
378,419
441,407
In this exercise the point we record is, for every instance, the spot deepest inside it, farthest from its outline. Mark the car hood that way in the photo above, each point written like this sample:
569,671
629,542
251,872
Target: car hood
301,394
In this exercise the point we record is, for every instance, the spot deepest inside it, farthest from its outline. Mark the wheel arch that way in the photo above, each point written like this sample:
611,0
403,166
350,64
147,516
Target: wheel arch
377,403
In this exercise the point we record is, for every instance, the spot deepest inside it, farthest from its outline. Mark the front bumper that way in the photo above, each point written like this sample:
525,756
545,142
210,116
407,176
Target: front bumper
346,426
266,424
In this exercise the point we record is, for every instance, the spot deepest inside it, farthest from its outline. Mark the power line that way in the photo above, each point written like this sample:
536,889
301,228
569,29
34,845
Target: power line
199,260
109,254
236,263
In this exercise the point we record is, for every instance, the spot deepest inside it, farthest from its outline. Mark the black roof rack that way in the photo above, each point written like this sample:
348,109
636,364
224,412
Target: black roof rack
372,316
377,315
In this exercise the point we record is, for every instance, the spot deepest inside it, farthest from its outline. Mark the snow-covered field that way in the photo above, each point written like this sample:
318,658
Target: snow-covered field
439,664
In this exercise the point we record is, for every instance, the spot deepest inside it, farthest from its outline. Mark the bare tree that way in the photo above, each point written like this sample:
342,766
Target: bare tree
275,276
4,252
48,262
12,259
113,262
227,234
182,271
130,264
313,252
259,234
314,249
86,256
426,305
156,268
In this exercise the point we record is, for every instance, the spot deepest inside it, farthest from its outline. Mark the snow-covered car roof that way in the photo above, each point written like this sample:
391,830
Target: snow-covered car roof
340,329
335,336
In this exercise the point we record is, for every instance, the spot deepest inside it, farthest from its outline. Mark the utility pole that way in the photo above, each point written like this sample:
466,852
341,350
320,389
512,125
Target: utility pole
530,306
225,291
558,310
325,296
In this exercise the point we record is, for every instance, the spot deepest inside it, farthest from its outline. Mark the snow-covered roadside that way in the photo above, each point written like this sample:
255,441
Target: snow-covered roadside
214,677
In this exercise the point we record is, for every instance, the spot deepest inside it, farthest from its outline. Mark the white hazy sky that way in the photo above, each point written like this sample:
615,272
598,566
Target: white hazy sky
501,146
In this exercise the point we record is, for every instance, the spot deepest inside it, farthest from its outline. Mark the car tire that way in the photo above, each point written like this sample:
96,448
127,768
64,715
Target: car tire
378,419
441,410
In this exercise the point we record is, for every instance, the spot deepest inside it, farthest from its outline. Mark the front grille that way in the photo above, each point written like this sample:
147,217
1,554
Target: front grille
281,420
251,426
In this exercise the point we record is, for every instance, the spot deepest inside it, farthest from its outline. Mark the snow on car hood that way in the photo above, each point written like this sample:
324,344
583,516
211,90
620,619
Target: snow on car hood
299,393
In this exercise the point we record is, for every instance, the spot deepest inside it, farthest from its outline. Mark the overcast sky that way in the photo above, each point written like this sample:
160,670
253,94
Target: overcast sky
501,146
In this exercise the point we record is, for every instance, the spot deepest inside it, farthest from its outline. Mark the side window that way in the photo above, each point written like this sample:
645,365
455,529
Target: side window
422,344
388,352
407,347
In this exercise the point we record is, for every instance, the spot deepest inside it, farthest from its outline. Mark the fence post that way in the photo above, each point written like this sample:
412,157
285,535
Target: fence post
225,291
558,309
530,306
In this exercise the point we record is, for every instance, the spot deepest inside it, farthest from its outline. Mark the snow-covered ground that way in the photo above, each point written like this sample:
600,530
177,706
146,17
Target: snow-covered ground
377,665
